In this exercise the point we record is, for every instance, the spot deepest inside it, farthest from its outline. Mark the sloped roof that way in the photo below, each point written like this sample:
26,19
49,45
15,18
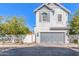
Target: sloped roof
65,9
41,7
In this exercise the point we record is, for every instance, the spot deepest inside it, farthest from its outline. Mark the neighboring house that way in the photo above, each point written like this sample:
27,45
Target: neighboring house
51,24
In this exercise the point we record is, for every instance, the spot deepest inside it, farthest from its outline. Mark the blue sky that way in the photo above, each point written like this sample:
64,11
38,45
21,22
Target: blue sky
26,10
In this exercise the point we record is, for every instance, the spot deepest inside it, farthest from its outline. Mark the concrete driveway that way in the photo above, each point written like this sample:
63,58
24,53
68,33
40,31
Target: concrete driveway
38,51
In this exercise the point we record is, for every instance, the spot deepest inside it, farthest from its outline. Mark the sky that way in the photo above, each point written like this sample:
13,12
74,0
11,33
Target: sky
26,10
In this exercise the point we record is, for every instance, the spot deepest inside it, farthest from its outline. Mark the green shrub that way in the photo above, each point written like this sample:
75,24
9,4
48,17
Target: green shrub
75,41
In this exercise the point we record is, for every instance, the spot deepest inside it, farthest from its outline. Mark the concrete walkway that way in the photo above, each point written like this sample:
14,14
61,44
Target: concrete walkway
58,45
42,45
16,45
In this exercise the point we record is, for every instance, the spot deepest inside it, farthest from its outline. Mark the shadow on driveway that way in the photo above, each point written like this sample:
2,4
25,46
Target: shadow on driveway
40,51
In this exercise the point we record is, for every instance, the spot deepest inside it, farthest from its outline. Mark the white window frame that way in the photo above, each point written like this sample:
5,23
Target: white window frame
44,14
46,17
59,17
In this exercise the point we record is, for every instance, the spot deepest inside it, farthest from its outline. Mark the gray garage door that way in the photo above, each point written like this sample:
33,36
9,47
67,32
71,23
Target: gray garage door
52,38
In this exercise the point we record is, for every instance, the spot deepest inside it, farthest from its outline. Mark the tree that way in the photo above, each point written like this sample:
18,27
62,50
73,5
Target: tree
74,24
14,26
1,26
1,18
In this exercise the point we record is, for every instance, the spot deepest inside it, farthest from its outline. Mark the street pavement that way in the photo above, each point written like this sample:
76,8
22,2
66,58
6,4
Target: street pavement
38,51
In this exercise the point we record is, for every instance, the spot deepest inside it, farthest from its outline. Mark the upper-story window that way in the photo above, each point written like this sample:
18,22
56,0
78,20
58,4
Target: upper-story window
59,17
45,17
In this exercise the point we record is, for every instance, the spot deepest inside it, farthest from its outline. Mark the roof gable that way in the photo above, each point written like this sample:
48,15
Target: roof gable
41,7
62,7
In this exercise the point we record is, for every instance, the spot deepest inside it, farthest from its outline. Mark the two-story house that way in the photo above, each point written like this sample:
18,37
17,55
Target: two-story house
51,24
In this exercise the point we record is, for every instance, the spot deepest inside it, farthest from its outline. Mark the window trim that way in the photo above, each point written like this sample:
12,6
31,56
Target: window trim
59,17
48,16
43,17
37,34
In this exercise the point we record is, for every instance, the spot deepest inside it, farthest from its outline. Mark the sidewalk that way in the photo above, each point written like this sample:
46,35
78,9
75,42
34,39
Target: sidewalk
59,45
16,45
39,45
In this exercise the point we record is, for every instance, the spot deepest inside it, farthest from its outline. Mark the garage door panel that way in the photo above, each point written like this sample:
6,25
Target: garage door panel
54,37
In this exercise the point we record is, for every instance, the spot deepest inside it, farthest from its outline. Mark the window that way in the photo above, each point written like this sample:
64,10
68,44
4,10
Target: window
53,12
44,16
59,17
37,34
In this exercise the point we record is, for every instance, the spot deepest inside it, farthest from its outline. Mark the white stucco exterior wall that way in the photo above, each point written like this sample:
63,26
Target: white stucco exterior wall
53,18
45,26
43,30
29,38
